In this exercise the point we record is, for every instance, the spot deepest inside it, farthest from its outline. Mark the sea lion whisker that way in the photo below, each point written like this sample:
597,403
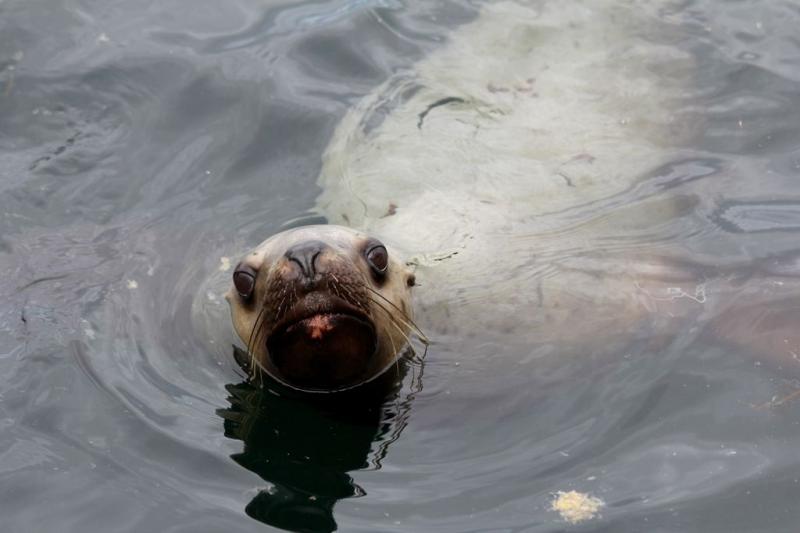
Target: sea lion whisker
408,344
402,312
408,320
340,291
398,328
255,334
262,315
393,322
254,329
352,297
257,366
397,321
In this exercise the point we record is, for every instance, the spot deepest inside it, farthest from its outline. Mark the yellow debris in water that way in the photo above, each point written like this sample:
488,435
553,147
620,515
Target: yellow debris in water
574,506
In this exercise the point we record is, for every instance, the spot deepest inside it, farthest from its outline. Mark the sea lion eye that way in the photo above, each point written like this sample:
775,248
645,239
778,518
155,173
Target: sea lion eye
378,258
244,279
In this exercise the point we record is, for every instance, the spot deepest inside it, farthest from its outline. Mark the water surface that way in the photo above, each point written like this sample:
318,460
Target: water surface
141,144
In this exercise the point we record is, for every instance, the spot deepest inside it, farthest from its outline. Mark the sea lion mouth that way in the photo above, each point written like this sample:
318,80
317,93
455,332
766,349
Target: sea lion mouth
323,343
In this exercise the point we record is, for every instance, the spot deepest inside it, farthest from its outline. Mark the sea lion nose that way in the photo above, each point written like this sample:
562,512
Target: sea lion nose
305,254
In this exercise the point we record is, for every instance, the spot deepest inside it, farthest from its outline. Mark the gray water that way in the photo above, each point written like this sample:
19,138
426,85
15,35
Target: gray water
141,142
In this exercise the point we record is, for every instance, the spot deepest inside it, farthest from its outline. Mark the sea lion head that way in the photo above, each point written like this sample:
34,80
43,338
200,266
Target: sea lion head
322,308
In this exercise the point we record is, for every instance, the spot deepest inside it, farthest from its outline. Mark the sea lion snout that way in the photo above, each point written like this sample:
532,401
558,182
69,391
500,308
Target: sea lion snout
322,334
304,256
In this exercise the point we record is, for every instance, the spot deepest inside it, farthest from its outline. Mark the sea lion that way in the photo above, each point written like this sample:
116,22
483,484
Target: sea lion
526,169
482,168
322,307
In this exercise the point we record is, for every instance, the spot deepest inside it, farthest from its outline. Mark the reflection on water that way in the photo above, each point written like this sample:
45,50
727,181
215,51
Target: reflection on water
144,145
304,445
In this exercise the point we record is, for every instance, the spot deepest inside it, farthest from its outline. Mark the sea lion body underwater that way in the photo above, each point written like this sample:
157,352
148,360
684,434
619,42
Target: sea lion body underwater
509,172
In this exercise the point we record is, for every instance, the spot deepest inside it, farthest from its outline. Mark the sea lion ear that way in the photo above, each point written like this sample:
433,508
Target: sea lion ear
409,273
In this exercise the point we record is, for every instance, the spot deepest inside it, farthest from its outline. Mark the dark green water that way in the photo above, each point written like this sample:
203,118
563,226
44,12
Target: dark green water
140,143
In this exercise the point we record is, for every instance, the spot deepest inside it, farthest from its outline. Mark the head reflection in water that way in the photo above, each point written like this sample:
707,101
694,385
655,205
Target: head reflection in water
325,314
303,445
